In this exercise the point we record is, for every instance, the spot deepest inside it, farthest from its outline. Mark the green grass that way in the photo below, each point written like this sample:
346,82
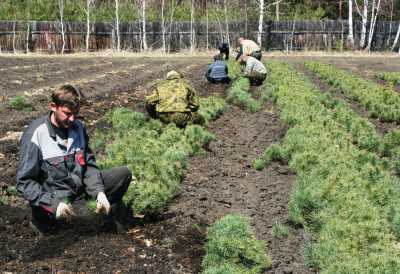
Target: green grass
238,94
232,248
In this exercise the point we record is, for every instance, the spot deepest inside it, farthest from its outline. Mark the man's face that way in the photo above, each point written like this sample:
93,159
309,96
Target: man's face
63,116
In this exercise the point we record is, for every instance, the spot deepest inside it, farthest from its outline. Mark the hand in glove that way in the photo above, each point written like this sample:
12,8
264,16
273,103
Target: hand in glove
103,205
64,211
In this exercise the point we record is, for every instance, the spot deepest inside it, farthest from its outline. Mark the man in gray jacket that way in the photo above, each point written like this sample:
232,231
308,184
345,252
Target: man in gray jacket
217,72
254,70
57,166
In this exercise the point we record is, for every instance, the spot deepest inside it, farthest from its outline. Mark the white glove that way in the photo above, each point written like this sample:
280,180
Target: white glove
64,211
103,205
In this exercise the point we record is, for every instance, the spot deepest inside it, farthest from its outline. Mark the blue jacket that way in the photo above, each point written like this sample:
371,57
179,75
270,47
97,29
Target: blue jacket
217,70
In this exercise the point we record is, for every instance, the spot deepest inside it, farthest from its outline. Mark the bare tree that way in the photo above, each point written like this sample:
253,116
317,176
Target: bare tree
87,11
396,39
61,13
226,24
117,25
14,35
27,37
364,18
374,16
192,36
145,47
163,29
391,22
350,37
260,21
207,24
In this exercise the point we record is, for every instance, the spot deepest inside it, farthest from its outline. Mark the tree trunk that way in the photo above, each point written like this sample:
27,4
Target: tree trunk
396,39
226,24
207,25
27,37
144,25
164,46
260,21
88,3
192,38
245,18
374,16
117,25
14,36
391,22
364,17
61,11
350,37
277,10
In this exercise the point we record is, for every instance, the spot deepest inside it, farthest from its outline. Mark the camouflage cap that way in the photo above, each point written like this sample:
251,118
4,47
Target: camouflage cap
173,75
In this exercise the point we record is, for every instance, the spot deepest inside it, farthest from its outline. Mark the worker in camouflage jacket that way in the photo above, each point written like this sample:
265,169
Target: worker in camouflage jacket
174,100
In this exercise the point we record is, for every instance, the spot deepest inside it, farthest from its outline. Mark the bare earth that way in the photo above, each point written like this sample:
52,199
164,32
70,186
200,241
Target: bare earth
221,182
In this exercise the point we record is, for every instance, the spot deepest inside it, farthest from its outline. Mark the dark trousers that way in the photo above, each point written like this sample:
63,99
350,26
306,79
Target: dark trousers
116,183
225,80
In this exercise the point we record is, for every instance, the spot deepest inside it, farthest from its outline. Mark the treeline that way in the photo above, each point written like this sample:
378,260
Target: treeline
236,10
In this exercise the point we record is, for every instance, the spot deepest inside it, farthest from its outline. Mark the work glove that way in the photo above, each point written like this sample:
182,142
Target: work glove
64,211
103,205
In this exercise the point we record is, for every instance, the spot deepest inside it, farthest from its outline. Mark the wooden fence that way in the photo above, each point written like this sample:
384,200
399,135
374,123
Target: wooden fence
278,35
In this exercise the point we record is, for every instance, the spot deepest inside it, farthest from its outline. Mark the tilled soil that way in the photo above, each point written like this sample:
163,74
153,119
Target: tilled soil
221,182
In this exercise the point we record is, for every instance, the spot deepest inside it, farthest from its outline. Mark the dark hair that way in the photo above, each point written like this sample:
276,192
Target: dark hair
66,95
218,57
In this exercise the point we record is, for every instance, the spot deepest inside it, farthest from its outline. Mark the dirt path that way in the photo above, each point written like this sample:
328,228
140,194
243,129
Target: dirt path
224,181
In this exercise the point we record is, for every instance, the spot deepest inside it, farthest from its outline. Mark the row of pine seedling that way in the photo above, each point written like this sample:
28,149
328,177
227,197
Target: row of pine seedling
157,155
345,194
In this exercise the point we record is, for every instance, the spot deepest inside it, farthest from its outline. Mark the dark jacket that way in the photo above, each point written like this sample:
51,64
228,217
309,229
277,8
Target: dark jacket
51,170
217,71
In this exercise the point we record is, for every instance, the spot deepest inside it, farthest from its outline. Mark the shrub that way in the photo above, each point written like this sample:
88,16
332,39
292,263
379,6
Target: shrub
232,246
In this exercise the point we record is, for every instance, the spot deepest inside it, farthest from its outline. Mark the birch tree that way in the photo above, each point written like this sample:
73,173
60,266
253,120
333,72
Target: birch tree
61,14
206,24
117,25
226,24
144,39
364,18
396,39
260,21
350,37
163,29
192,37
374,15
391,22
87,11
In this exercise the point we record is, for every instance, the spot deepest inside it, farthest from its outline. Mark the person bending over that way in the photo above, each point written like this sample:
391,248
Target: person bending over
174,100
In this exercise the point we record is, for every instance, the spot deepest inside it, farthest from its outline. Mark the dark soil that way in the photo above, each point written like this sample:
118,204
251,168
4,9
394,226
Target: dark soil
221,182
